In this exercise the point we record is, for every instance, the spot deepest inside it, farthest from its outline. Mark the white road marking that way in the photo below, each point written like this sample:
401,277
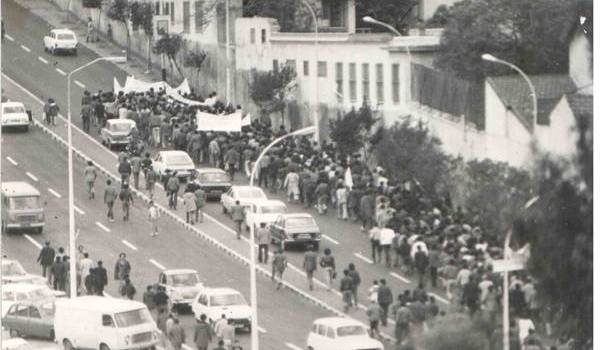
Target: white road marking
443,300
43,60
60,71
81,212
99,224
25,48
129,245
261,330
403,279
14,162
292,346
33,241
330,239
157,264
31,176
56,194
106,294
80,84
186,347
10,38
363,258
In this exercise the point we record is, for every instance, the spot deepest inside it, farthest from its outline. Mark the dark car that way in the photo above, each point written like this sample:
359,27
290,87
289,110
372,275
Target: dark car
213,181
34,319
295,229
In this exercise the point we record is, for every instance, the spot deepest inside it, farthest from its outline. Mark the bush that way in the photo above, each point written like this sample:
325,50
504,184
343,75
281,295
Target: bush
350,131
95,4
455,332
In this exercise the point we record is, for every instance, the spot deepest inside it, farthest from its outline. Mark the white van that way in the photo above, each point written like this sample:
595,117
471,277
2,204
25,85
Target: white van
102,323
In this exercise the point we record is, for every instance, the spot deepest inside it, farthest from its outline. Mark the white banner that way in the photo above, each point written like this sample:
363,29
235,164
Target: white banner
135,85
213,122
247,120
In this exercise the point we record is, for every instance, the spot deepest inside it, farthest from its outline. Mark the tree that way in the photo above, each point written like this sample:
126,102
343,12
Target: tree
285,11
120,11
269,90
411,153
530,34
195,60
142,16
170,45
559,228
455,332
351,131
397,13
440,17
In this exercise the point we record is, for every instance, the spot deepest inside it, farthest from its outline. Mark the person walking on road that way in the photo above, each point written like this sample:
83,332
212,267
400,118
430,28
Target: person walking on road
237,214
355,282
172,188
403,320
101,278
218,327
126,199
346,287
110,195
200,201
375,314
128,290
46,259
203,333
310,264
231,159
421,264
327,264
279,266
386,237
176,335
86,116
189,205
385,299
90,175
292,184
86,265
136,168
50,111
125,170
153,216
122,268
228,333
263,236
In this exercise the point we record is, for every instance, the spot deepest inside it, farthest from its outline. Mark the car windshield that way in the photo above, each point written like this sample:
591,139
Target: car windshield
213,177
13,109
120,127
47,310
133,318
178,159
350,330
227,299
13,268
65,37
250,193
273,209
23,203
183,280
299,221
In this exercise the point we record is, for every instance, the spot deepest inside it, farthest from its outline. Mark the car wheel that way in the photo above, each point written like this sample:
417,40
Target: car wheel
67,344
104,347
13,333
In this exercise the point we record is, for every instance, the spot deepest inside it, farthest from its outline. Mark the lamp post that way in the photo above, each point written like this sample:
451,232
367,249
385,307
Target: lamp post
491,58
253,292
316,79
72,262
227,55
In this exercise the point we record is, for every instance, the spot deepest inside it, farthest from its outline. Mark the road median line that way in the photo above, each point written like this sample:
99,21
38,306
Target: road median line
31,176
33,241
12,161
157,264
54,193
104,228
131,246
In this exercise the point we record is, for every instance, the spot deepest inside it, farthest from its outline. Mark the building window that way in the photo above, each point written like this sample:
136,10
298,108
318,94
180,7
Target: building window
291,64
365,82
352,81
166,8
199,15
339,81
322,69
157,8
396,83
252,35
263,36
186,16
275,65
306,68
172,12
379,81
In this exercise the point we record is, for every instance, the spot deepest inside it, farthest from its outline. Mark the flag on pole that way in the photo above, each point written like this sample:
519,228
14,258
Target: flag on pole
348,178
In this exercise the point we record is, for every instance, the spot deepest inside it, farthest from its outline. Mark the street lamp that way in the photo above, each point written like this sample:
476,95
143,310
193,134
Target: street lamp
491,58
316,79
253,293
72,262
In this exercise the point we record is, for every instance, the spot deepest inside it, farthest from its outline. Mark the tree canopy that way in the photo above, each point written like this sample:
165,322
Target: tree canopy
531,34
351,130
169,45
270,89
397,13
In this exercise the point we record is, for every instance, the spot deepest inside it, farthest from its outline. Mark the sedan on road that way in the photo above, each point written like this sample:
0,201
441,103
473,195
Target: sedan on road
214,302
178,161
265,211
245,194
181,285
331,333
295,229
13,293
213,181
116,132
15,116
30,319
13,272
60,40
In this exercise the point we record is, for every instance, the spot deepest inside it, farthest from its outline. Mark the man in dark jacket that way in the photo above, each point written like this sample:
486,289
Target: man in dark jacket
46,258
385,299
238,214
367,210
470,296
421,264
355,282
125,170
310,264
110,195
231,159
126,200
122,268
101,278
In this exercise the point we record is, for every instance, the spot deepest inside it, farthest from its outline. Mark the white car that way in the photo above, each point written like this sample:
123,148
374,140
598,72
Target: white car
178,161
215,302
245,194
19,292
14,115
182,285
60,40
13,272
264,211
334,333
116,132
22,344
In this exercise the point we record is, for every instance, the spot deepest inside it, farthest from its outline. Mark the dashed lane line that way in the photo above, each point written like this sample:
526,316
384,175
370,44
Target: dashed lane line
56,194
157,264
80,84
401,278
79,211
131,246
99,224
363,258
330,239
261,330
292,346
12,161
33,241
43,60
25,48
60,71
10,38
31,176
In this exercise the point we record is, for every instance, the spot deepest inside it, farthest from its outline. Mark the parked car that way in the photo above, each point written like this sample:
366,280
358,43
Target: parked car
214,302
14,115
178,161
61,40
30,319
116,132
295,229
20,292
213,181
332,333
21,344
21,207
245,194
182,286
13,272
264,211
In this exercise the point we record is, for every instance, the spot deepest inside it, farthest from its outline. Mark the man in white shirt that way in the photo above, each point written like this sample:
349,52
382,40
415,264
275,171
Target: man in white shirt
418,243
85,265
218,327
375,236
386,238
